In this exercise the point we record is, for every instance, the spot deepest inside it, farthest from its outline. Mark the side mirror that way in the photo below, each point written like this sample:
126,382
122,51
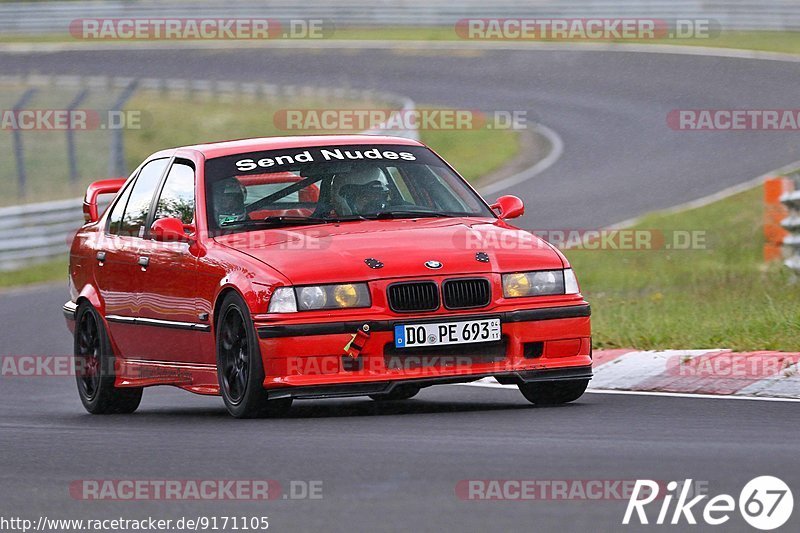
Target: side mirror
509,207
170,230
112,186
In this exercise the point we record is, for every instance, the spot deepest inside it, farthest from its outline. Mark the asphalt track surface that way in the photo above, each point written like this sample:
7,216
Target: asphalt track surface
395,468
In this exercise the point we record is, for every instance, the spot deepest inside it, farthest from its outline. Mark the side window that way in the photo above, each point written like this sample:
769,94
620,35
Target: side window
133,221
177,196
115,217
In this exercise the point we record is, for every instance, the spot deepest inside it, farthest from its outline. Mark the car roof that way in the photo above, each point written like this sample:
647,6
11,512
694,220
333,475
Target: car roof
220,149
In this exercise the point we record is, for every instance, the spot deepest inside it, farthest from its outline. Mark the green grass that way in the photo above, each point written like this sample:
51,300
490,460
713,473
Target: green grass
766,41
46,151
474,153
773,41
723,296
41,38
55,269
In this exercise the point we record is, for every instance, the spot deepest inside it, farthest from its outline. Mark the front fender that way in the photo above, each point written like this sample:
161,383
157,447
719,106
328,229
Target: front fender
255,294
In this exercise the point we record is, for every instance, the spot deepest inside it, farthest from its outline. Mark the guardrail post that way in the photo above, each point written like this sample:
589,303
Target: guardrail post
71,154
791,224
774,213
19,150
116,163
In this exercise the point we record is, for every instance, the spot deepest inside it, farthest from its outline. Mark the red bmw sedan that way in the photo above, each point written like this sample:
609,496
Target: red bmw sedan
268,270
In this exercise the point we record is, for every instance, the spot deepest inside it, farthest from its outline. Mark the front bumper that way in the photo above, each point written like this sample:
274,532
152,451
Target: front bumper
387,387
305,360
70,309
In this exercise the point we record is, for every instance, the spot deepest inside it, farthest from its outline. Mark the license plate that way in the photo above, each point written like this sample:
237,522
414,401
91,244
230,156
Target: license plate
443,333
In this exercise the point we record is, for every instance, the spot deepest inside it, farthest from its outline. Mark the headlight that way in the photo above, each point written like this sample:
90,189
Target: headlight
540,283
283,301
570,282
516,285
346,295
317,297
311,298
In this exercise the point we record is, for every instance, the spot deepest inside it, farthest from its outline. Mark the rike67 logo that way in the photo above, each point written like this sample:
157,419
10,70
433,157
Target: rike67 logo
765,503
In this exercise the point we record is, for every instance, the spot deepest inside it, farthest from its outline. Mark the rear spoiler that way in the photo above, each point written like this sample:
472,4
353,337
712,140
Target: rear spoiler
95,189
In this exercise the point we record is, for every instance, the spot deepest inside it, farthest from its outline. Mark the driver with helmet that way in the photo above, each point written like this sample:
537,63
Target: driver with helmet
229,196
362,191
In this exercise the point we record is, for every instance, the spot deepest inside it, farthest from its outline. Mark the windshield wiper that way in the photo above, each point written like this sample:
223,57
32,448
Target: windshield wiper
347,218
285,220
407,214
281,221
276,221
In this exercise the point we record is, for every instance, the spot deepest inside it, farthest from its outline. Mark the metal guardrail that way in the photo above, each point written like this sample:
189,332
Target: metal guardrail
34,233
791,242
49,17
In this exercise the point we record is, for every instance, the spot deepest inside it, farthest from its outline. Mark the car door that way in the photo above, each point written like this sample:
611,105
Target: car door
117,253
167,283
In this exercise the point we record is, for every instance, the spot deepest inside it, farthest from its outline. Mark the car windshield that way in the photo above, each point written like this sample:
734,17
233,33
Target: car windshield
317,185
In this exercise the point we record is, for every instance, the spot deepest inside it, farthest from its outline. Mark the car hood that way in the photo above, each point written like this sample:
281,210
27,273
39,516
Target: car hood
339,252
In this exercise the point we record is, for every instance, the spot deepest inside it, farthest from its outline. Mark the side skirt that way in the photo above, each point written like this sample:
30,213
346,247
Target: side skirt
196,378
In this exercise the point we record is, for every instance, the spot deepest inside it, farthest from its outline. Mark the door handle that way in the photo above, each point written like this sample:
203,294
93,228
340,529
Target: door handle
100,256
144,261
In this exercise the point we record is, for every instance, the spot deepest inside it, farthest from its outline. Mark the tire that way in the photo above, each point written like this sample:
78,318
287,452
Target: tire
400,392
94,368
553,392
240,369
